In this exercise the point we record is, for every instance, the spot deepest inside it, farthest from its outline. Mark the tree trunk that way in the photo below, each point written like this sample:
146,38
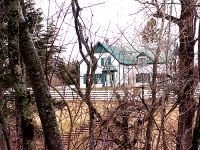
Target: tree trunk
186,75
21,100
91,129
4,139
91,67
150,123
125,132
196,131
186,24
40,88
38,82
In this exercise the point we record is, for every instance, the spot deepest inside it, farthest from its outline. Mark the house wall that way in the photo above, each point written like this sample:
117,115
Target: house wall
161,69
125,75
83,69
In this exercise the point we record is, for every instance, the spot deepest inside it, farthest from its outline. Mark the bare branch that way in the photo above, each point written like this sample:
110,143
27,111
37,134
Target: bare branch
173,19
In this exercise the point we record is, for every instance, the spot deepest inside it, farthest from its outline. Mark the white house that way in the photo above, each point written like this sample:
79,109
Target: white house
121,65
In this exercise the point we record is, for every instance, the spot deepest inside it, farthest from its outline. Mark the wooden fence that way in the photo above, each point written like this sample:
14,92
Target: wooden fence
63,92
99,94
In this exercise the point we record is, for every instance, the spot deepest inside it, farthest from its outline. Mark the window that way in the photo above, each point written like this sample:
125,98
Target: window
84,79
143,78
103,79
142,61
106,61
97,77
113,76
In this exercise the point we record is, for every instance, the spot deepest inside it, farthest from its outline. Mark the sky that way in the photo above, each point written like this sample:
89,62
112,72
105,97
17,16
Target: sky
106,16
116,20
104,19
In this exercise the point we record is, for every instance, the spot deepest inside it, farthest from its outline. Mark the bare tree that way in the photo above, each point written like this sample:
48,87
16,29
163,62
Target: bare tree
196,130
91,62
186,24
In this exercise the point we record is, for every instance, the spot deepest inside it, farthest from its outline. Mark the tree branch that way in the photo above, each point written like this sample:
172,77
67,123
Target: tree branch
173,19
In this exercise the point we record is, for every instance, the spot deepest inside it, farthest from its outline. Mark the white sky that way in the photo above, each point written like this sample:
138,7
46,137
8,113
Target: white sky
106,20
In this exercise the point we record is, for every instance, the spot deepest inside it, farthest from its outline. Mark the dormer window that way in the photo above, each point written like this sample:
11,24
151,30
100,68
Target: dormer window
142,61
106,61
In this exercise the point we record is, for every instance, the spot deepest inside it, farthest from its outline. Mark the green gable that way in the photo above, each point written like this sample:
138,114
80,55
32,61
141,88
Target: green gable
99,48
128,56
115,51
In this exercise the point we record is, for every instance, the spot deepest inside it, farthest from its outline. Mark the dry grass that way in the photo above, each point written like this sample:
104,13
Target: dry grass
79,116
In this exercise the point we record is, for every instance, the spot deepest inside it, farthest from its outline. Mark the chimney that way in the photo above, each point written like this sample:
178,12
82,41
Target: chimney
106,41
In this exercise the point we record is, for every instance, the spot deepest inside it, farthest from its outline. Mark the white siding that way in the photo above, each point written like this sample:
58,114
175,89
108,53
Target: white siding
125,75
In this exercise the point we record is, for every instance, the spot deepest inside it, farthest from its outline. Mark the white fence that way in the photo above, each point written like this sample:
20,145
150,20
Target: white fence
67,94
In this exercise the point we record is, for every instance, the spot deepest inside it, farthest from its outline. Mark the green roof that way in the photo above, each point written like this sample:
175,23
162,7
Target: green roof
127,55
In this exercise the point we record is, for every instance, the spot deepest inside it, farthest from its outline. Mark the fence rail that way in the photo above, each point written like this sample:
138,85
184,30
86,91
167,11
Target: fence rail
61,92
99,94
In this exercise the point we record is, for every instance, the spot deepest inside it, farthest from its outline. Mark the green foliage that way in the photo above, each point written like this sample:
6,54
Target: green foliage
44,38
34,18
5,76
68,72
47,50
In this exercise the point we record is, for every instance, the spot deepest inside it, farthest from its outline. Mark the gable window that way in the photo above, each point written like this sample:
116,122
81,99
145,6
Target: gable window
143,78
142,61
105,61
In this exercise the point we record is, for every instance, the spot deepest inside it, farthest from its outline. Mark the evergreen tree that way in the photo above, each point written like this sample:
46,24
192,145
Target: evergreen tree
44,38
68,73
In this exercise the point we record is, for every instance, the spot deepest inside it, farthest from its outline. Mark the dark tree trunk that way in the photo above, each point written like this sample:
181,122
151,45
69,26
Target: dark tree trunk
40,87
186,24
186,75
196,131
91,129
91,67
21,100
38,81
148,139
125,132
4,139
150,120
